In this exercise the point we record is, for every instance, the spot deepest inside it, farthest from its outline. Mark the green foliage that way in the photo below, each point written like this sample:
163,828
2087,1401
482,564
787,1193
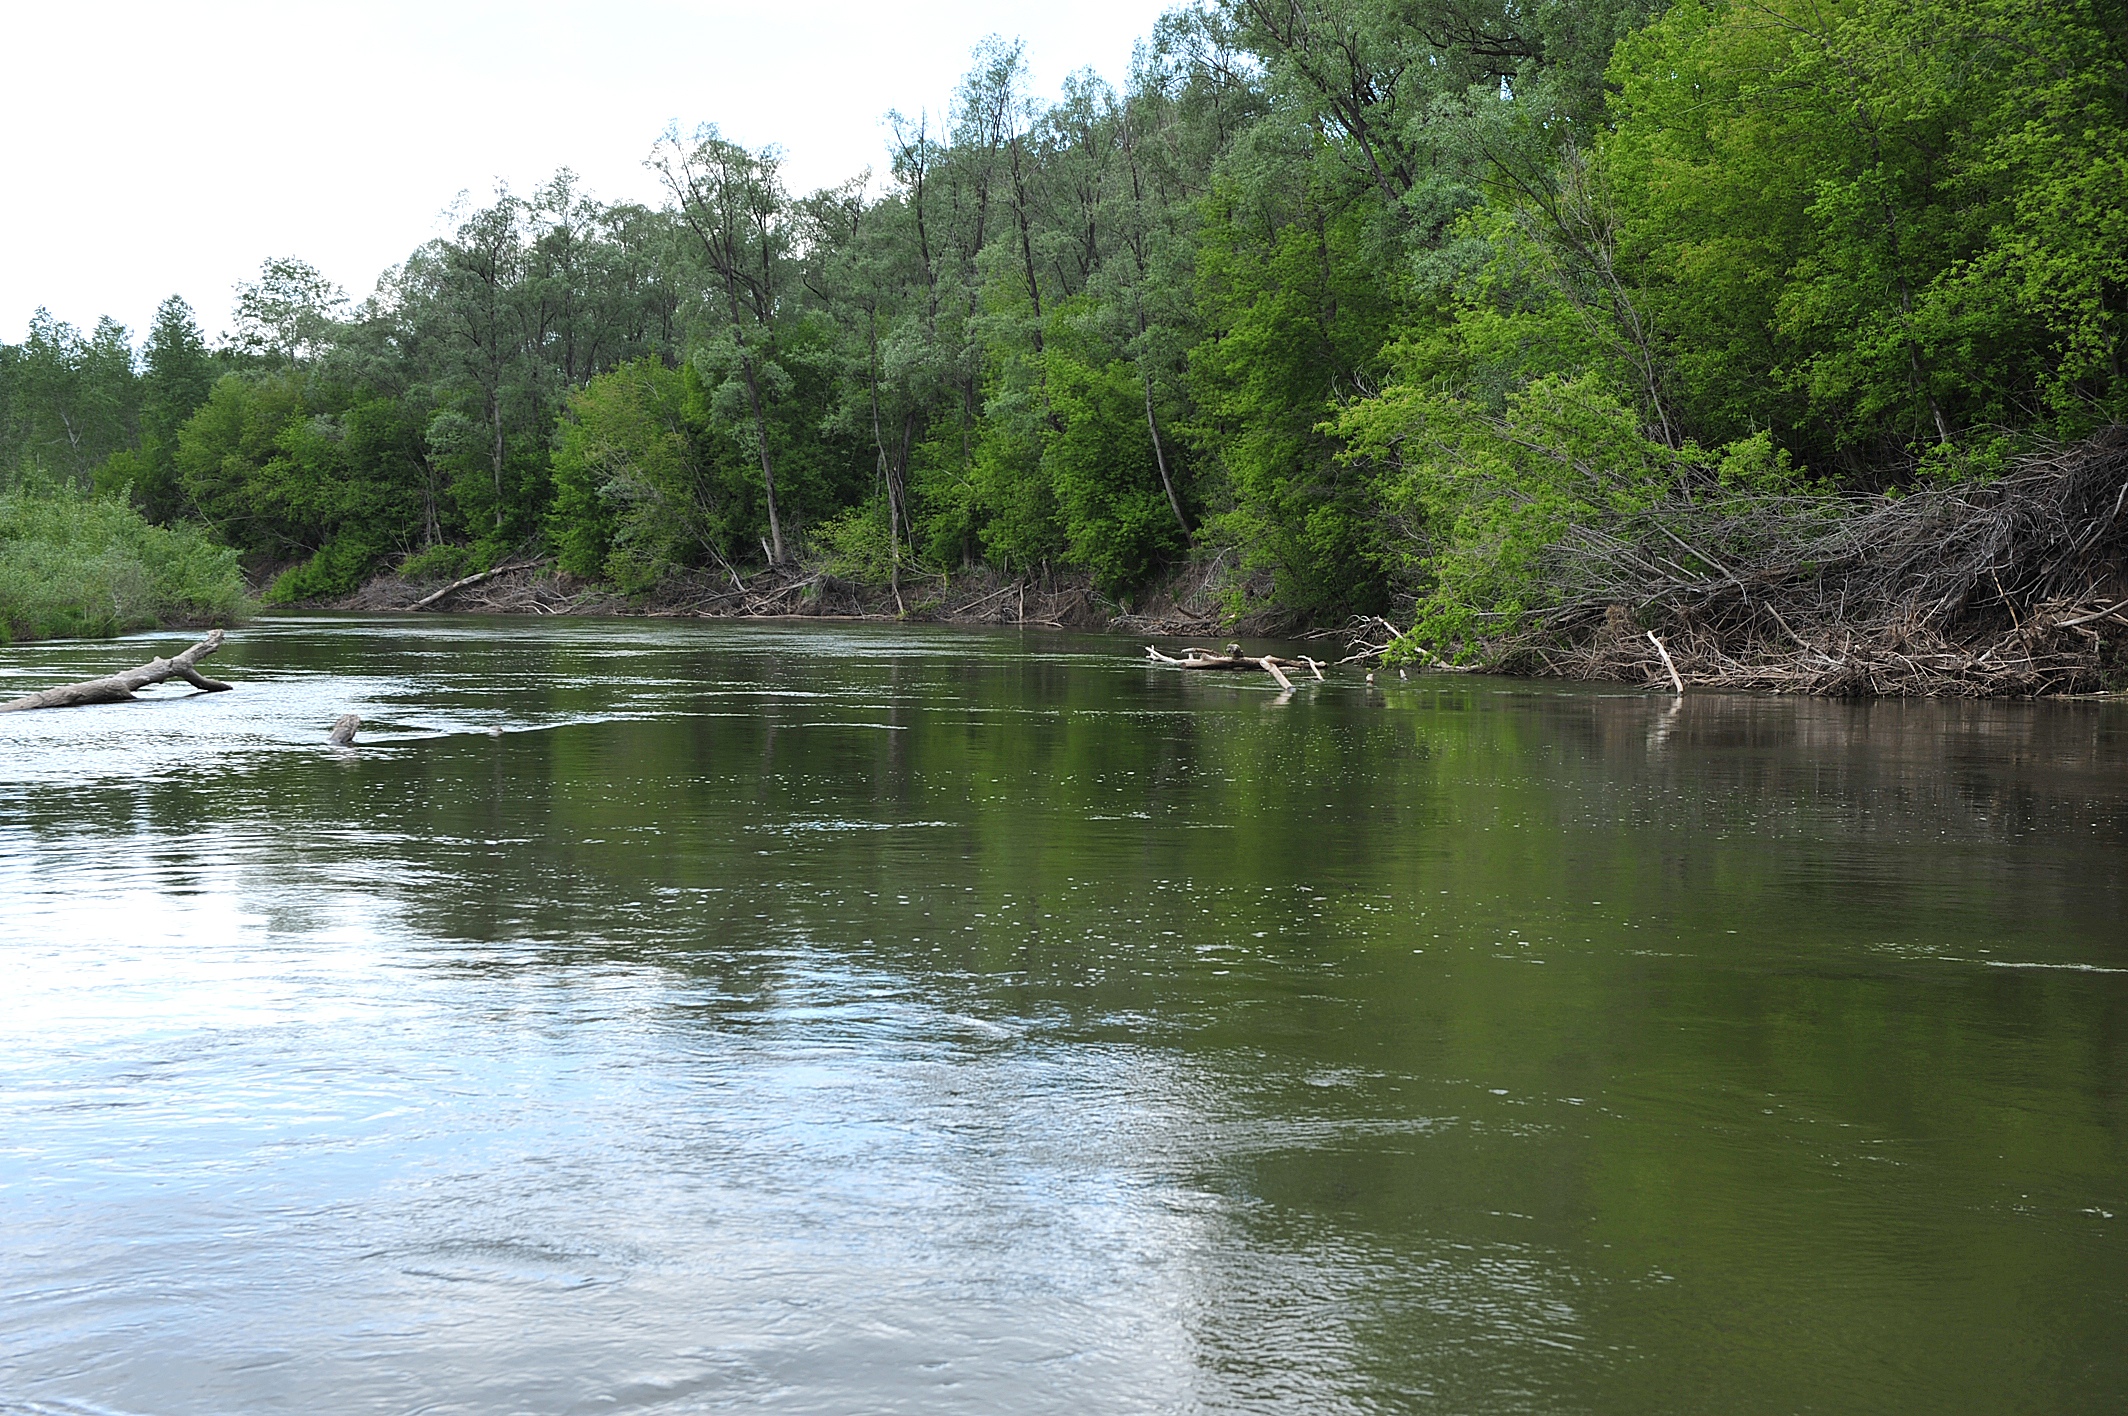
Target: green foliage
67,400
288,313
442,561
648,478
177,373
1876,225
856,543
1496,489
287,467
1299,315
1098,460
73,564
1383,297
1807,240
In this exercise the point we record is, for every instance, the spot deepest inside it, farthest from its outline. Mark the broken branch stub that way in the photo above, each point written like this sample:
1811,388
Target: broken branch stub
118,688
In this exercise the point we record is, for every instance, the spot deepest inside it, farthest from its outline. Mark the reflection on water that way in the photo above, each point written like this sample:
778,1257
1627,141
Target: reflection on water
808,1018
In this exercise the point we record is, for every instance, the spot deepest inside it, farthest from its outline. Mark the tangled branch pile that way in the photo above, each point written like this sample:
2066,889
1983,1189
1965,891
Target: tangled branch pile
1999,587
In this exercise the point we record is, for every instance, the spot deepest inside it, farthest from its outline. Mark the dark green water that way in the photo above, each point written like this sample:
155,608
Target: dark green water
835,1019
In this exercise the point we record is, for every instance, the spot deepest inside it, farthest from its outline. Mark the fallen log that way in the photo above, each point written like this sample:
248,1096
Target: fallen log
118,688
468,582
1233,660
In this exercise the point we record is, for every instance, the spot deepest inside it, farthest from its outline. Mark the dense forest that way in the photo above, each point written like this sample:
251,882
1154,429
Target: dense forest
1455,311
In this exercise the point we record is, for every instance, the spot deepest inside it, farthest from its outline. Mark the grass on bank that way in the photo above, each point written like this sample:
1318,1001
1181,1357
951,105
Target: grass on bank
72,564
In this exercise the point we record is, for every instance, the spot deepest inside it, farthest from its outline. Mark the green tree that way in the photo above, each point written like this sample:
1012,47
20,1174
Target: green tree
177,373
733,202
645,483
67,400
289,313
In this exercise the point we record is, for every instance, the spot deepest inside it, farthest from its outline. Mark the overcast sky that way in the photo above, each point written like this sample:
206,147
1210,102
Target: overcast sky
151,149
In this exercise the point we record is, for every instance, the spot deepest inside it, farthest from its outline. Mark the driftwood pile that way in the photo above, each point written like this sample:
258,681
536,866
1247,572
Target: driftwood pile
2014,586
437,597
523,588
118,688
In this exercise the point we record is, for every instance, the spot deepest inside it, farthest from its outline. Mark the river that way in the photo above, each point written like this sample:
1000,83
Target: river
830,1018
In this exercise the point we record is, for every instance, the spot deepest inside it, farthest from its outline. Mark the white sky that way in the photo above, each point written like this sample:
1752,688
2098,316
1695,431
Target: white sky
159,148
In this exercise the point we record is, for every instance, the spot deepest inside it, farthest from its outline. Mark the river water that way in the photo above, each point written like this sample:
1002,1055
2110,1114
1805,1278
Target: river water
802,1018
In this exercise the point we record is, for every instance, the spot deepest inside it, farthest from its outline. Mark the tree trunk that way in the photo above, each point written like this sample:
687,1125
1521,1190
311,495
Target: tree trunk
118,688
768,472
1167,483
495,422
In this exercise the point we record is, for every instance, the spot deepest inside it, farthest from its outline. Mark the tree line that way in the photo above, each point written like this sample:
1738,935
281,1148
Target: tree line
1375,298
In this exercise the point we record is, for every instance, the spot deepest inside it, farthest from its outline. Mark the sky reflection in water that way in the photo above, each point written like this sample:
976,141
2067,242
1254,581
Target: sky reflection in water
833,1019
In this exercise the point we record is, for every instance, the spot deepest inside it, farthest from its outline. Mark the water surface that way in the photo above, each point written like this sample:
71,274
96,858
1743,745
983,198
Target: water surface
676,1018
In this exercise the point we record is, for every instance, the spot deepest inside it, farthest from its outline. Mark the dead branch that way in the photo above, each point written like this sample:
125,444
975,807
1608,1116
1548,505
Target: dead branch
1667,661
469,581
1968,589
1233,660
118,688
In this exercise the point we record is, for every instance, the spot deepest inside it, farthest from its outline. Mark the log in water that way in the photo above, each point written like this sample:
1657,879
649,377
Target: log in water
117,688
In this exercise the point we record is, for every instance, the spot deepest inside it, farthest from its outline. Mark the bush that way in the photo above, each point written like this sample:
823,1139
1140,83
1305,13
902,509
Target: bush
72,564
338,568
442,561
855,543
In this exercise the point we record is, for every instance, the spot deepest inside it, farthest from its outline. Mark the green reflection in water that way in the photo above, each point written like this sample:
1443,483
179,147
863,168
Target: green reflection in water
1536,1049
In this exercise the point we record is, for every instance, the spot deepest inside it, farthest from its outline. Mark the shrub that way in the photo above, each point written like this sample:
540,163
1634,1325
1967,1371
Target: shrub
72,564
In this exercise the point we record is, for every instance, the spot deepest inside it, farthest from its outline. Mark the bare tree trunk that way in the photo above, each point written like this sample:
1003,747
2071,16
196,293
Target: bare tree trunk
768,472
118,688
495,421
1167,483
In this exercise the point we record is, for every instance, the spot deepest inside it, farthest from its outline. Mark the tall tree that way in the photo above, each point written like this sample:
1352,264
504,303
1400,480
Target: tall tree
67,400
733,202
289,312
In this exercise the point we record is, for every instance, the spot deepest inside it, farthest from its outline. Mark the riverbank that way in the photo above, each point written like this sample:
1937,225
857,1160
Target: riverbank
2005,586
1196,600
2012,585
2056,648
